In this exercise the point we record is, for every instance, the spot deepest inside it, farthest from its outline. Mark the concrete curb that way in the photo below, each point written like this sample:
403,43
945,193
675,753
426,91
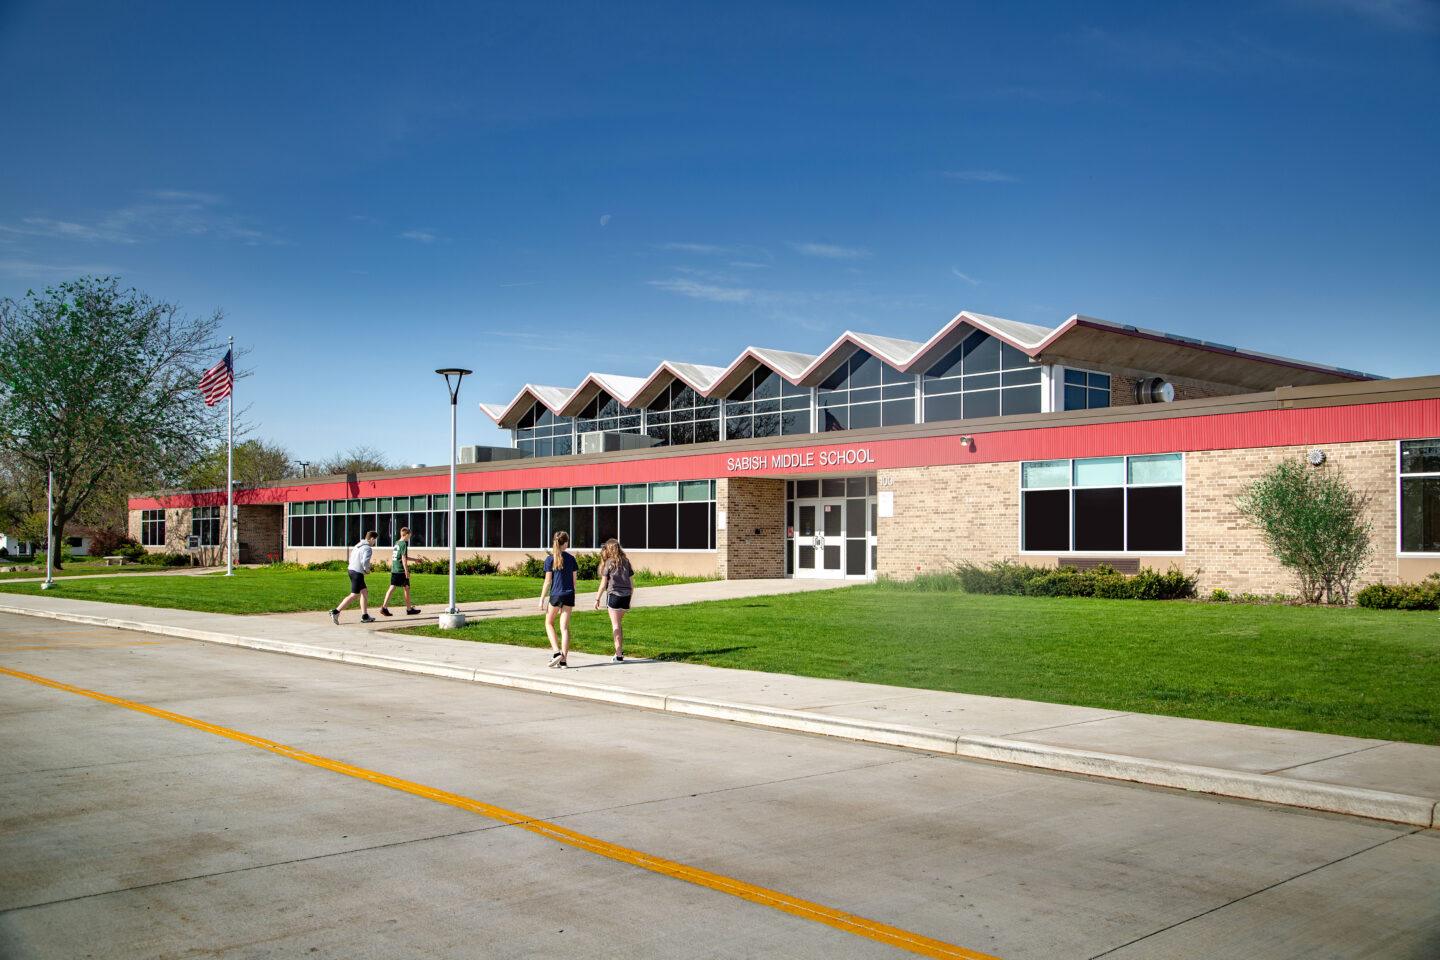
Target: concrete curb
1325,797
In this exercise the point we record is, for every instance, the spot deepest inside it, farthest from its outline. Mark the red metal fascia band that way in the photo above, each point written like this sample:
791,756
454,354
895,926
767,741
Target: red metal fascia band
1412,419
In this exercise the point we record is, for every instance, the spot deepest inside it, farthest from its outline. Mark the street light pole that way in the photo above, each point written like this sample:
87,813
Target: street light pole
452,617
49,523
302,464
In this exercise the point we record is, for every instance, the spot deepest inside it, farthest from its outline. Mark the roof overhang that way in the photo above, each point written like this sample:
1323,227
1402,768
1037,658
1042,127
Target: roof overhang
1083,340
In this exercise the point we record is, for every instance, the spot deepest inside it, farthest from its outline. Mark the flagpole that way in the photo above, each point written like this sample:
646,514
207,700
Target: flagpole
230,468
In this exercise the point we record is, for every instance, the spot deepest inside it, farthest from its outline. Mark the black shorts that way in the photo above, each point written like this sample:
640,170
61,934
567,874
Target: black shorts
399,579
617,601
562,599
357,581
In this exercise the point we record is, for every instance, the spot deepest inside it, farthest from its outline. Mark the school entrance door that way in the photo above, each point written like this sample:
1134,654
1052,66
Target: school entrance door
832,536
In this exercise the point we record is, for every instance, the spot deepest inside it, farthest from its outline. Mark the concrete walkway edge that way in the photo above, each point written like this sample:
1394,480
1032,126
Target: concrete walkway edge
1331,798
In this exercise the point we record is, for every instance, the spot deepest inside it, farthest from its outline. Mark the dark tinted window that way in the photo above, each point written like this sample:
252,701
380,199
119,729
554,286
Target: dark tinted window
1100,519
1156,521
1046,520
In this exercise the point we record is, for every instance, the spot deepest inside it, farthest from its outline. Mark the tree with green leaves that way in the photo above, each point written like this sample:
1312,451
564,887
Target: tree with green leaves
1314,522
255,462
101,384
360,459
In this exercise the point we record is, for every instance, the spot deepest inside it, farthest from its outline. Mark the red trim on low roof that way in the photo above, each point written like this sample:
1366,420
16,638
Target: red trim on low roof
1262,428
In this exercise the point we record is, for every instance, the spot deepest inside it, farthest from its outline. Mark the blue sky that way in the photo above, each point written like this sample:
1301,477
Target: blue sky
371,190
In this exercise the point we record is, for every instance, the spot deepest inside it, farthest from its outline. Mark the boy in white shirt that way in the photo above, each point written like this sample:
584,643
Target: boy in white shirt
358,567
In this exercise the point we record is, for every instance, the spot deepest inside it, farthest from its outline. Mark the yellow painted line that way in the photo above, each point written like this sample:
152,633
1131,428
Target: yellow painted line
80,645
840,920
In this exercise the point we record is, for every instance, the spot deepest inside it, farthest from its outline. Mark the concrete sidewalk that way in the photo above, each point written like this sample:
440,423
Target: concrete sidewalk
1369,778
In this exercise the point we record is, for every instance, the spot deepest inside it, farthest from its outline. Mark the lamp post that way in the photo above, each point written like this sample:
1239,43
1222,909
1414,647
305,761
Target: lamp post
452,617
49,522
302,464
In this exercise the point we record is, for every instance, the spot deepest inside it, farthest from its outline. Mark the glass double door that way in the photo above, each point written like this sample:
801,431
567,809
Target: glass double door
832,538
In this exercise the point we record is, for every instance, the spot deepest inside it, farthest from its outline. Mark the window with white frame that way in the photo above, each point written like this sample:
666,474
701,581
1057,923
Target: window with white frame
1420,496
152,528
765,404
1103,505
544,434
605,413
680,415
982,377
865,392
205,524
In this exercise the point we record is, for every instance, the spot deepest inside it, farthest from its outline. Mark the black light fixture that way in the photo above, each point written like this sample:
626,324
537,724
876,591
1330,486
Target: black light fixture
453,617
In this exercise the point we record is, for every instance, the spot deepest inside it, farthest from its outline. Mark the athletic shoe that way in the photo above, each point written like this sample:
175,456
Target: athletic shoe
412,610
555,659
335,617
385,612
618,658
367,619
561,665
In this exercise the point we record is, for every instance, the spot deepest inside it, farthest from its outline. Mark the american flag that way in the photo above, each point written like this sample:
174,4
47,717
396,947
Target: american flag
216,383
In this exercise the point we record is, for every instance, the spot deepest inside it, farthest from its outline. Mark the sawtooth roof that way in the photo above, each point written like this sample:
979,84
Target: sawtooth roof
1079,339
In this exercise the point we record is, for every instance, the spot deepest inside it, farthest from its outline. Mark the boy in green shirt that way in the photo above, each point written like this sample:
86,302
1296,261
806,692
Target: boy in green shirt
399,574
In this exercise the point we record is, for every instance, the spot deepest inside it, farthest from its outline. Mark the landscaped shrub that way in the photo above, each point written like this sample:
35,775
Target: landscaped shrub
476,566
106,542
529,567
1314,523
1113,586
132,551
589,566
998,577
1061,582
1102,581
1405,596
1220,596
332,565
166,559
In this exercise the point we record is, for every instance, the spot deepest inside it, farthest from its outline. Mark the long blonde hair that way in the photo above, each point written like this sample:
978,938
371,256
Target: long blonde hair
557,549
612,551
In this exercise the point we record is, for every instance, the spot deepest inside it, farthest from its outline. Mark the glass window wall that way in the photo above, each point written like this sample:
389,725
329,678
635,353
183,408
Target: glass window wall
1103,505
865,392
1420,496
982,377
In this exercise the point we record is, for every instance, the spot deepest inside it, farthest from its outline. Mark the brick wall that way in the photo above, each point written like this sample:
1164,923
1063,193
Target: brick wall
261,531
177,528
948,514
750,504
1231,553
943,515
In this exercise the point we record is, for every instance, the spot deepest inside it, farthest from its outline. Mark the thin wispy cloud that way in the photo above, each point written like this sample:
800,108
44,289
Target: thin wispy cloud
1139,49
26,268
705,248
981,176
1054,95
419,236
830,251
966,277
1411,16
157,215
703,291
604,219
742,254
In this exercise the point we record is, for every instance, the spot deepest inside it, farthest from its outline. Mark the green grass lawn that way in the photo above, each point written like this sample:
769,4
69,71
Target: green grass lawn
264,590
73,570
1361,673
